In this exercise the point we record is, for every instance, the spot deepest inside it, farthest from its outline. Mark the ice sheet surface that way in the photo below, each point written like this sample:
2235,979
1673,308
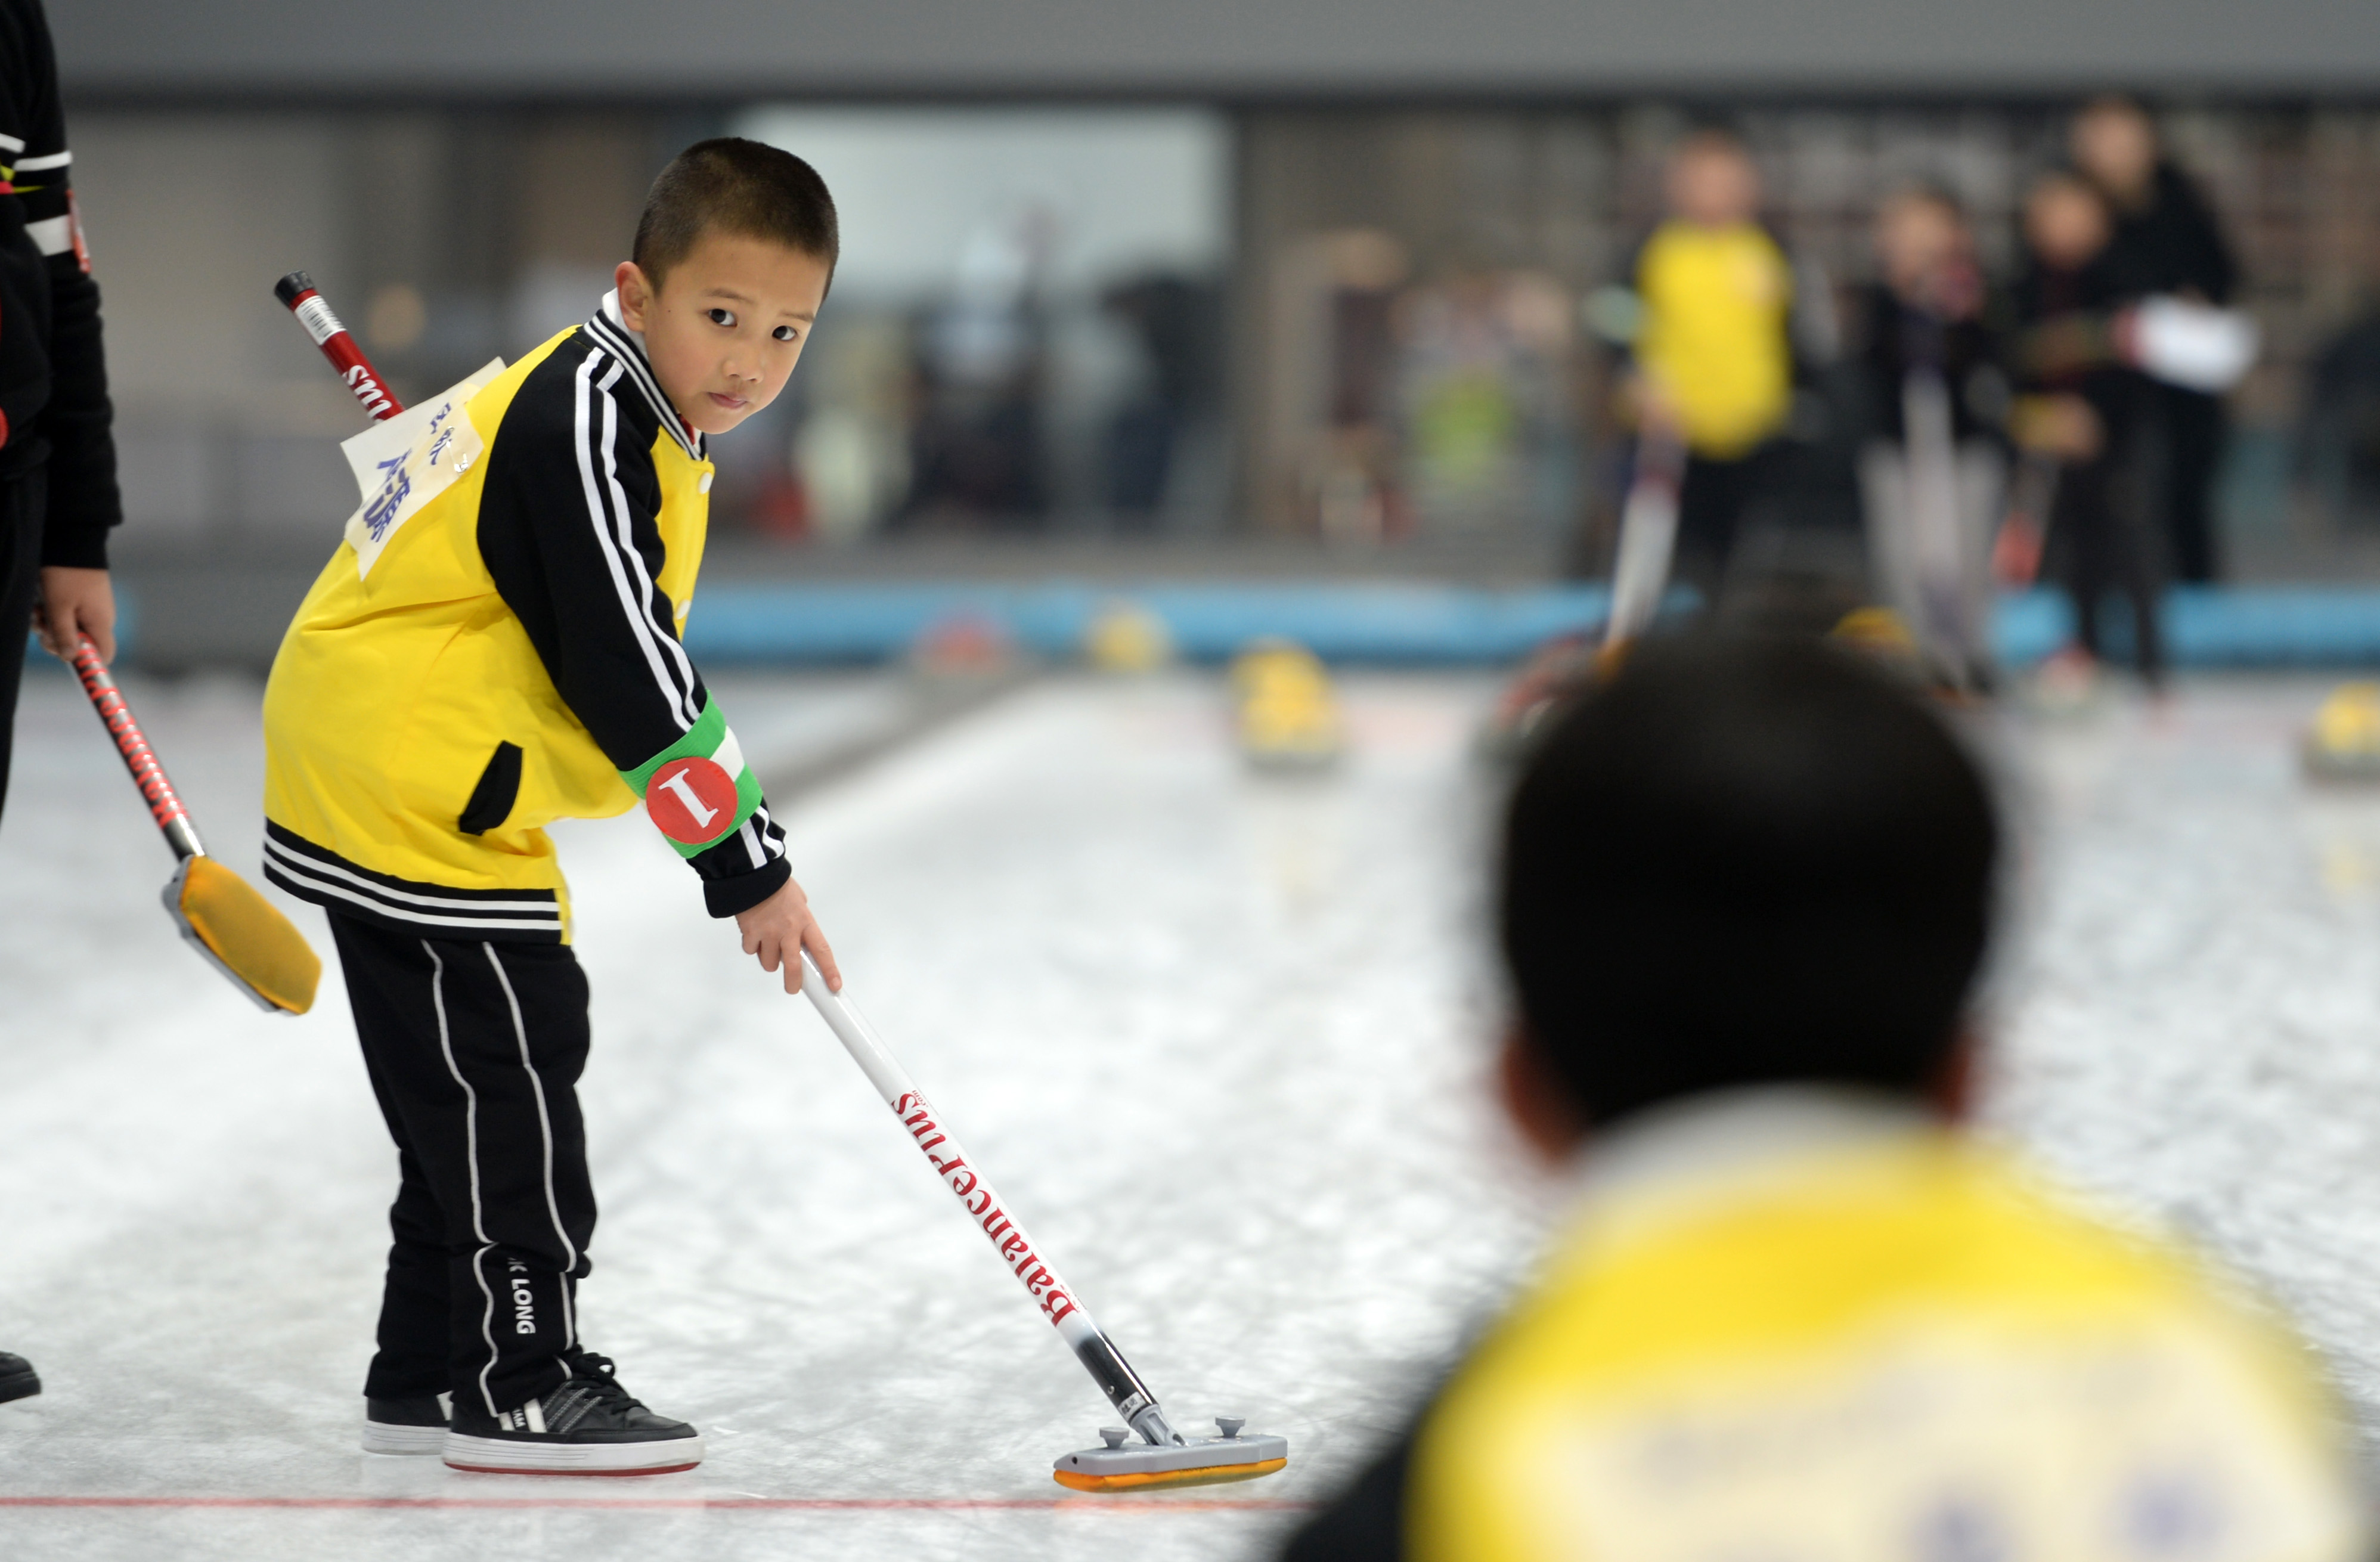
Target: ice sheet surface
1219,1038
2190,1006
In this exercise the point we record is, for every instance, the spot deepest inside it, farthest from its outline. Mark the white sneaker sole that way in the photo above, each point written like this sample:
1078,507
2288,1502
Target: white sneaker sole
381,1438
499,1456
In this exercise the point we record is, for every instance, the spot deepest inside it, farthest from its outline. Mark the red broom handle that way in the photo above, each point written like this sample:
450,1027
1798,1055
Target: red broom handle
148,774
338,344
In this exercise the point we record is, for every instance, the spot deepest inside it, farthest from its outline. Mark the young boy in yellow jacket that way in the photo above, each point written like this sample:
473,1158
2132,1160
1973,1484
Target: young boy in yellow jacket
495,647
1798,1312
1714,356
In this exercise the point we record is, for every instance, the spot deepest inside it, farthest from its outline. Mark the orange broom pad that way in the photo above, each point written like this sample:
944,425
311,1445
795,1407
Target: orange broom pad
1141,1481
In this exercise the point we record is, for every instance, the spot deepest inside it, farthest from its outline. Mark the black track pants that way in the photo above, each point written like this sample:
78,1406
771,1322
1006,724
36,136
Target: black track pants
2194,426
1712,501
475,1050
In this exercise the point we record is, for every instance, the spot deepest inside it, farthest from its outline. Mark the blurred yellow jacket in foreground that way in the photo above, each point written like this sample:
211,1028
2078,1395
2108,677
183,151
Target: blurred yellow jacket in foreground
1794,1325
1713,338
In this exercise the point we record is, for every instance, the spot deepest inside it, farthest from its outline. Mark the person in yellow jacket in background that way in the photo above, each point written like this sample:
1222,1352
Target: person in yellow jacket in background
1800,1309
495,646
1714,361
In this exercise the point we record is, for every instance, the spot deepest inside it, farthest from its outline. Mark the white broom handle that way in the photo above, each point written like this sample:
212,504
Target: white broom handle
988,1209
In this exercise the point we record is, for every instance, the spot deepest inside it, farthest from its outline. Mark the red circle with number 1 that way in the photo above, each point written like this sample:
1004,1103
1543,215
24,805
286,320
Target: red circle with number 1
691,800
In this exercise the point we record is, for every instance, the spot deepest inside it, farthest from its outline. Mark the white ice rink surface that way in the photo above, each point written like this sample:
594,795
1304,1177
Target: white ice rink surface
1219,1038
1215,1037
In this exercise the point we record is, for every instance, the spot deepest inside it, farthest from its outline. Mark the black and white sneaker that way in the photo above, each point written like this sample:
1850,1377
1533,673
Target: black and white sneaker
417,1425
17,1378
589,1426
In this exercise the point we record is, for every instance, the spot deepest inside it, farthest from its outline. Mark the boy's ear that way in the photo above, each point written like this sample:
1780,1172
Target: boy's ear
636,294
1536,1099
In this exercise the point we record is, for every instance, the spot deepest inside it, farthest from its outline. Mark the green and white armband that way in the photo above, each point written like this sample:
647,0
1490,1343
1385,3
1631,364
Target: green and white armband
699,789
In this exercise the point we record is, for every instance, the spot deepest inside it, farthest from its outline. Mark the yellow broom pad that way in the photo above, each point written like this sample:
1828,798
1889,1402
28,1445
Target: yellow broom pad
254,942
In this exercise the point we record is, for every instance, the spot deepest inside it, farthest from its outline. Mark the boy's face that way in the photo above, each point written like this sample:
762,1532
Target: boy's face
727,324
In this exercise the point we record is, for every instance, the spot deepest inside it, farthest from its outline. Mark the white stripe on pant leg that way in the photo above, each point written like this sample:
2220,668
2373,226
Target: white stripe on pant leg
471,1155
545,1127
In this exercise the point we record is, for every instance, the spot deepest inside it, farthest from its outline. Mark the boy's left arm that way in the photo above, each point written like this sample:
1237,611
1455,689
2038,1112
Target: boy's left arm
567,530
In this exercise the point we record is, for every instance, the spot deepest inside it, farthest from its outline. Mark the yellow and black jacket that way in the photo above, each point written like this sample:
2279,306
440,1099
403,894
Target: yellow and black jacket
1802,1324
495,647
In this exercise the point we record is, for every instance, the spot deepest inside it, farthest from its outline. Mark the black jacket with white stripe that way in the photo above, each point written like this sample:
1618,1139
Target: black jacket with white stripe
54,407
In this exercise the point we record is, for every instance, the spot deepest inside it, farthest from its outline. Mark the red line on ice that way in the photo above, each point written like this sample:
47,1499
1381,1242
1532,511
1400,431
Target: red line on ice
804,1505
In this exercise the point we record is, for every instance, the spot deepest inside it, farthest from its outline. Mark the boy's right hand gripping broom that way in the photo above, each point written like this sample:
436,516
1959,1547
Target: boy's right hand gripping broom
233,929
1164,1457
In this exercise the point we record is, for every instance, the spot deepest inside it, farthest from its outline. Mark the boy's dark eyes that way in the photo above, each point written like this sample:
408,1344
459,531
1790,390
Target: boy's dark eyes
727,317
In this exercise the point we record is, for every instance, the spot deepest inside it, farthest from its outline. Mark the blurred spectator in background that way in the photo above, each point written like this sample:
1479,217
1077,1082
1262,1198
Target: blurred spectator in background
1933,401
1350,480
2100,420
2338,434
58,498
1483,365
2165,238
976,450
1714,361
1798,1309
1174,322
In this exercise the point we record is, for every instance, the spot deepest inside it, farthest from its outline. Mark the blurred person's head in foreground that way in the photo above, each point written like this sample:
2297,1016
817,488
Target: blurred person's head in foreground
734,251
1741,861
2066,221
1711,181
1926,250
1746,888
2114,142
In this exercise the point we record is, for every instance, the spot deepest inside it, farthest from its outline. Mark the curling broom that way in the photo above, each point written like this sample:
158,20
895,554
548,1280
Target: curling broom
233,929
1649,537
1164,1457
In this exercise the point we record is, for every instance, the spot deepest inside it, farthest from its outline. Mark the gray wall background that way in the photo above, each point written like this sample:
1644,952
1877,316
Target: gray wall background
130,48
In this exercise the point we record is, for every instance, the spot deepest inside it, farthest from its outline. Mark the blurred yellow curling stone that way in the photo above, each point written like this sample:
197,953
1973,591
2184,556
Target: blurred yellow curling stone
1127,637
1288,715
2344,742
1879,633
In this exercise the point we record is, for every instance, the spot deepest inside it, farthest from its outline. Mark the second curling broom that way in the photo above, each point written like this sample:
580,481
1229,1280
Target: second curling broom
1163,1457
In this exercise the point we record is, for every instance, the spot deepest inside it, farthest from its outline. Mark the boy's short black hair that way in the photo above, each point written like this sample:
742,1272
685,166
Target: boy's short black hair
734,186
1745,861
